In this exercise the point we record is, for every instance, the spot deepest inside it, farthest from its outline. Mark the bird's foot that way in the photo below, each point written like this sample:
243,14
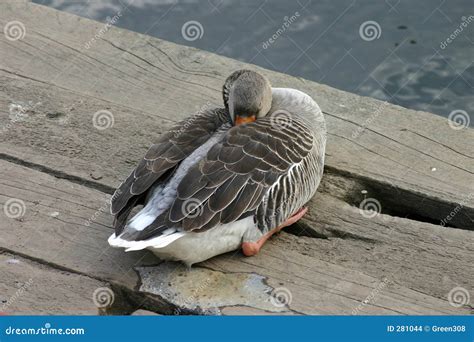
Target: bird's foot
252,248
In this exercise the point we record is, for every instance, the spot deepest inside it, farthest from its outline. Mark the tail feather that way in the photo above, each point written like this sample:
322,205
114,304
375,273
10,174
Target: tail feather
150,227
120,220
158,226
156,242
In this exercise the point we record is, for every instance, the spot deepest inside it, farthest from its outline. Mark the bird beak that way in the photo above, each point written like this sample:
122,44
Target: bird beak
241,120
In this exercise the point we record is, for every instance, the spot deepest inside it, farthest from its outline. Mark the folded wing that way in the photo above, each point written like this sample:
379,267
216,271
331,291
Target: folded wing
162,157
248,173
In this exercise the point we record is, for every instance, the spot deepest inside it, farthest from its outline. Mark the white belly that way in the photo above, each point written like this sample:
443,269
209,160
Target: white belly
196,247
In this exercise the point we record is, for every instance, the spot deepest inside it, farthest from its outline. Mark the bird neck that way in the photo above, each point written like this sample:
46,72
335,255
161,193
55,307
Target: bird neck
298,104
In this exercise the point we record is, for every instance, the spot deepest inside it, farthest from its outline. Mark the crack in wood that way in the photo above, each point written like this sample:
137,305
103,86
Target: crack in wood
58,174
401,205
337,255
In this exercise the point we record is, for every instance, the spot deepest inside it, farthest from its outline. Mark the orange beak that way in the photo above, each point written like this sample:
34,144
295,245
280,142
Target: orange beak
241,120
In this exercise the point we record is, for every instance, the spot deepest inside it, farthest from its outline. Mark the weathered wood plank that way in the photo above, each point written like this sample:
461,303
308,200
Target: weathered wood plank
26,289
62,224
146,83
70,220
411,162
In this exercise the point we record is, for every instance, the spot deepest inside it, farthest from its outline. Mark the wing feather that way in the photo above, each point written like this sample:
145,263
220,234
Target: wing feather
248,173
162,157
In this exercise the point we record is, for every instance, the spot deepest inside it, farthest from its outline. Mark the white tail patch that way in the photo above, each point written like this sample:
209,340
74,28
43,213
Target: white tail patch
161,241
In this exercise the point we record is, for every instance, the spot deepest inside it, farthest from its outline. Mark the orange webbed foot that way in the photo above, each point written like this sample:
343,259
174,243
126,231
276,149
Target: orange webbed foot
252,248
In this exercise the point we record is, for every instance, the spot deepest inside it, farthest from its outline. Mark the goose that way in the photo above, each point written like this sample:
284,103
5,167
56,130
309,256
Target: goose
224,178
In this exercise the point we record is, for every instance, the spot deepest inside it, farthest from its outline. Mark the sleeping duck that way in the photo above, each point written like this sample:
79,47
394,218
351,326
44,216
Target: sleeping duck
225,178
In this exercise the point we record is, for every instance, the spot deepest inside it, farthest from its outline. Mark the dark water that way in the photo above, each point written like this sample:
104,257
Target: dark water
408,61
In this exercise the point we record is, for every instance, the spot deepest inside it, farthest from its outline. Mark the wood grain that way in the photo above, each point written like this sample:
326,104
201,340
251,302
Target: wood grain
324,276
147,83
61,166
26,289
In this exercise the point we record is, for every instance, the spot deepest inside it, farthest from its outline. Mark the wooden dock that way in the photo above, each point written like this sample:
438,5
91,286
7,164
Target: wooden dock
60,166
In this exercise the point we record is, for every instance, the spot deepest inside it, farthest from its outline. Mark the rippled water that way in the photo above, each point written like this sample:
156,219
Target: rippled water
405,59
